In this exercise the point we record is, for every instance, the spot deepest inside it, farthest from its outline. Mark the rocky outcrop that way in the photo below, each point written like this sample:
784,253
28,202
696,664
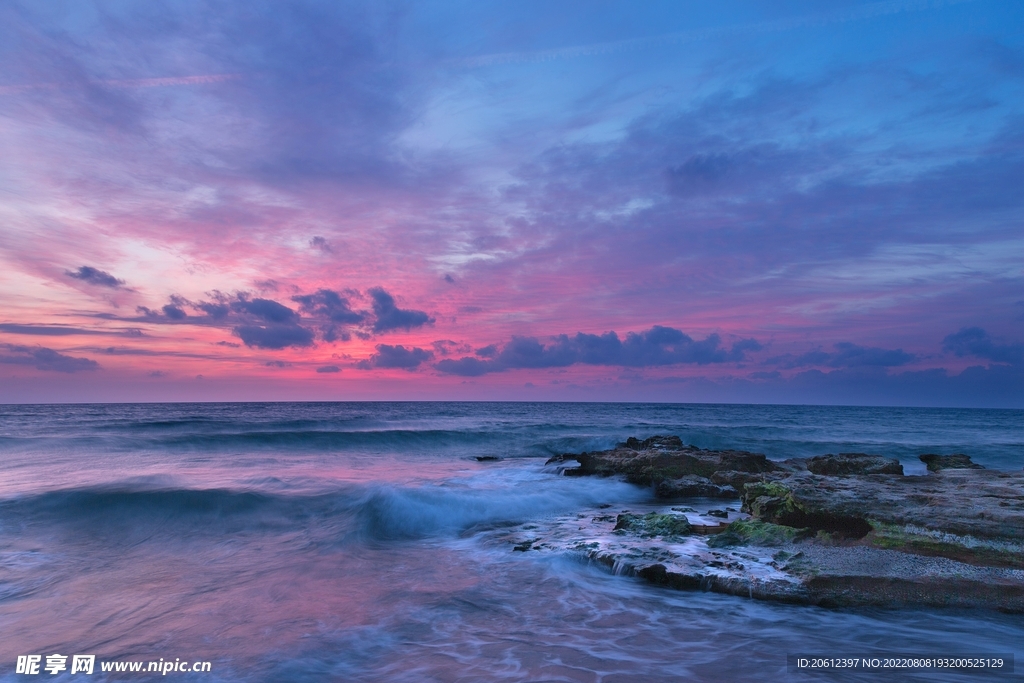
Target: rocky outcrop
693,486
957,461
853,463
663,460
986,504
846,529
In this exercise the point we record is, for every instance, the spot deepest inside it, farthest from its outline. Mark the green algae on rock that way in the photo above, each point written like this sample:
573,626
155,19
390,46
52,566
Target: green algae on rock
654,524
754,532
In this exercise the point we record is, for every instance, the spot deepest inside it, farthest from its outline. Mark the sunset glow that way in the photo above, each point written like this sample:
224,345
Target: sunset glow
812,203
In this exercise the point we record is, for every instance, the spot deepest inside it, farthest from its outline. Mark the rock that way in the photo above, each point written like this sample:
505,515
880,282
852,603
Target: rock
736,480
957,461
487,458
722,514
653,524
664,458
833,530
853,463
693,486
658,443
984,504
754,532
561,457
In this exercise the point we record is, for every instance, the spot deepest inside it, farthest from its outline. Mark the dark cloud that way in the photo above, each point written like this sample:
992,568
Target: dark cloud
274,336
260,322
849,355
658,346
489,351
174,312
45,359
328,368
95,277
467,367
264,309
449,279
268,324
329,304
974,341
846,355
332,311
216,311
277,364
391,317
321,244
388,356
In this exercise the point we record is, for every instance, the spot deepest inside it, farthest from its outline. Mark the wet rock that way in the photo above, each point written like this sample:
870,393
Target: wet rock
693,486
661,443
665,458
776,503
959,502
957,461
853,463
653,524
719,513
754,532
846,529
487,458
736,480
892,566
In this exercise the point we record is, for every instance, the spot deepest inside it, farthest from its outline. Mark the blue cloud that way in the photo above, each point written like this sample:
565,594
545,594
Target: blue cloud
391,317
846,355
974,341
46,359
396,357
174,312
95,277
274,336
658,346
266,309
330,305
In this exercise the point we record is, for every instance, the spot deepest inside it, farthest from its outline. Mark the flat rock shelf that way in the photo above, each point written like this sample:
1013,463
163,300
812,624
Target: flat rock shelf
833,530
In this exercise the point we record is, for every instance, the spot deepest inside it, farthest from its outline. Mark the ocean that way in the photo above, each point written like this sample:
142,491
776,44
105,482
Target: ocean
368,542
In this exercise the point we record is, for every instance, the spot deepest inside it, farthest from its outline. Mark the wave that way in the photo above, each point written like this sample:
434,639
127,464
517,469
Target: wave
392,513
133,513
141,509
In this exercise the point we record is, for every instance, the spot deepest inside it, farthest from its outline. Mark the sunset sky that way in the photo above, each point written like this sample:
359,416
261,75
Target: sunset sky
810,202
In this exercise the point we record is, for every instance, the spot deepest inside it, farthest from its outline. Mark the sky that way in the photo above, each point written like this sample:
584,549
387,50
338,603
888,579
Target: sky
745,202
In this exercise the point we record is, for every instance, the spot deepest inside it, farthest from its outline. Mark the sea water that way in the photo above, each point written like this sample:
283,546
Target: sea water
356,542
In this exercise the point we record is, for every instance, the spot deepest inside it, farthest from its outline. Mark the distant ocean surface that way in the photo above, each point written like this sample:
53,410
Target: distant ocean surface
353,542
